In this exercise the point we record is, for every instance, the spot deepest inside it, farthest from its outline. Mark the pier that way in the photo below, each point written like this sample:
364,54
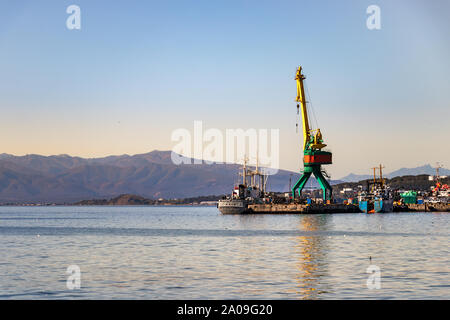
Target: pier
293,208
429,207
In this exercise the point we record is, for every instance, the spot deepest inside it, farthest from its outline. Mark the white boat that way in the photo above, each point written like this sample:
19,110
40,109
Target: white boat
232,206
252,187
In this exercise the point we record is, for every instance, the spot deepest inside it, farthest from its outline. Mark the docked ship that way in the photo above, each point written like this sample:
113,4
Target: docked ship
375,204
233,205
251,190
440,192
378,198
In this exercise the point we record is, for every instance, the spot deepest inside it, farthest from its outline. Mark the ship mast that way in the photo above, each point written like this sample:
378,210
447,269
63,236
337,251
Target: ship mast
438,166
381,175
244,172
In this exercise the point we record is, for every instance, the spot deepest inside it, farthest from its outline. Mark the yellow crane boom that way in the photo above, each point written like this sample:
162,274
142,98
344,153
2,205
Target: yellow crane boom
317,141
301,98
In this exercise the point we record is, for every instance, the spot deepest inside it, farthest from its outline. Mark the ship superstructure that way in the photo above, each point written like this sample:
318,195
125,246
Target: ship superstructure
378,197
251,190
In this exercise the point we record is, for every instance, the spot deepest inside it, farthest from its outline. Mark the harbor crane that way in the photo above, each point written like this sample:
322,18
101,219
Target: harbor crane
313,143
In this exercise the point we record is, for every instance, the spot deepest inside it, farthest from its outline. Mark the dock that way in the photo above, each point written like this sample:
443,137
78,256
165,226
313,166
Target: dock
429,207
293,208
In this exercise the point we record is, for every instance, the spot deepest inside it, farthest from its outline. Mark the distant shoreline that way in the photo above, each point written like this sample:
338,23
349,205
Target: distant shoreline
128,200
417,183
107,205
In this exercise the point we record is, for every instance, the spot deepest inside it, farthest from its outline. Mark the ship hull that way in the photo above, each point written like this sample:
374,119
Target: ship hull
234,206
377,206
386,205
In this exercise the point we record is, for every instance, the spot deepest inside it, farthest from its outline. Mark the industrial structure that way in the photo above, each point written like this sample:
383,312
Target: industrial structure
313,156
251,196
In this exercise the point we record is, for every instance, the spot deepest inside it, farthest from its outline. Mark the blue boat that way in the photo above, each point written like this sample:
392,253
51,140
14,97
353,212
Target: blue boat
377,197
376,205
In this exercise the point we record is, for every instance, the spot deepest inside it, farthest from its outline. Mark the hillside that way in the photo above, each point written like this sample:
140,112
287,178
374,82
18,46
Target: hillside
419,182
131,199
421,170
66,179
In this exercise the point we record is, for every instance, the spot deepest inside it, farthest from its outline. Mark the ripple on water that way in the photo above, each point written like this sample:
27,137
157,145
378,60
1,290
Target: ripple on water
194,253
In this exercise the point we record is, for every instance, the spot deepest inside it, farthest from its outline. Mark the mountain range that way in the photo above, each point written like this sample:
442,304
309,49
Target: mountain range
425,169
66,179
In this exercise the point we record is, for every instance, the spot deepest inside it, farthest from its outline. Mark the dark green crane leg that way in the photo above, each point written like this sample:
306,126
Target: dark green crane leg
301,183
326,188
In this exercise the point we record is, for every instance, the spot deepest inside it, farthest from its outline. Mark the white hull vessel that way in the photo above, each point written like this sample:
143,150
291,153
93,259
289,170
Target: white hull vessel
232,206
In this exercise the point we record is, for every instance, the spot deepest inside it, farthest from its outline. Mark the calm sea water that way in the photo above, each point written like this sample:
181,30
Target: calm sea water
197,253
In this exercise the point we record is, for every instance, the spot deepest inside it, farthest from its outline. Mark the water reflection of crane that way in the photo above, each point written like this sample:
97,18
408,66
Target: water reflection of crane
311,250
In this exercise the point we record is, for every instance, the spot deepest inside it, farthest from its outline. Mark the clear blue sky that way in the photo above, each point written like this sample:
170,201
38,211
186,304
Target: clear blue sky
137,70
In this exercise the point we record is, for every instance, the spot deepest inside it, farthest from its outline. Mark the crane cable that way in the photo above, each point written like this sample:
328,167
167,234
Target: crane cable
309,105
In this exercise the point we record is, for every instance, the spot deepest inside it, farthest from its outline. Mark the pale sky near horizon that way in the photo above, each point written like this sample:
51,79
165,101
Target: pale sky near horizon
138,70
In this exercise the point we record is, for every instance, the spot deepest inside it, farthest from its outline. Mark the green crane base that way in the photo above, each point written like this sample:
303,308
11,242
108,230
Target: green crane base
316,170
